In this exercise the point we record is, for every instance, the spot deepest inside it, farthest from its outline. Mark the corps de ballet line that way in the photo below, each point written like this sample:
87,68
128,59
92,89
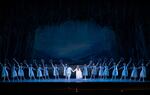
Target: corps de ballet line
94,68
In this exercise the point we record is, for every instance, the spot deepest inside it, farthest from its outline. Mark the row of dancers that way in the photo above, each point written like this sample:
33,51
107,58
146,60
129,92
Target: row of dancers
101,68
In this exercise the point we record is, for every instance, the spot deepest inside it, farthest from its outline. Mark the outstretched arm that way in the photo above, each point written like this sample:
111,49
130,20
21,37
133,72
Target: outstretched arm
129,62
104,61
52,64
111,60
9,64
97,64
74,70
90,63
121,59
111,68
16,62
148,63
34,61
121,68
62,64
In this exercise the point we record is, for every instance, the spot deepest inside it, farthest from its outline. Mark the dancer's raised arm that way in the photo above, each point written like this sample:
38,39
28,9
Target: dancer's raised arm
105,59
61,62
148,63
16,62
34,61
129,62
51,62
111,60
121,59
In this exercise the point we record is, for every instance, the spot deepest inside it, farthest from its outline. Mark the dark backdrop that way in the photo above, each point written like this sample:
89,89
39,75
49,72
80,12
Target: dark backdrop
19,19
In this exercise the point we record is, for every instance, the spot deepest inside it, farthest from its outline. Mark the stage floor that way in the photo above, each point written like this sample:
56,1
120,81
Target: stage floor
73,86
80,80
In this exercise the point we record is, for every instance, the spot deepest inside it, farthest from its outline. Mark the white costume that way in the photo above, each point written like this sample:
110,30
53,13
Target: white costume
68,72
65,71
78,73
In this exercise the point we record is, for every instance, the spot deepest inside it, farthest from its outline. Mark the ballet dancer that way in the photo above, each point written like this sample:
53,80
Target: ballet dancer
106,69
45,70
134,72
94,70
69,72
143,71
85,69
39,70
100,73
5,72
78,72
115,69
125,69
14,74
65,68
30,70
55,69
20,70
101,69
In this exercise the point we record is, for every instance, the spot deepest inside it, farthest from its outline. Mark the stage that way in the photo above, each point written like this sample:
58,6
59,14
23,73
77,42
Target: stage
62,80
75,86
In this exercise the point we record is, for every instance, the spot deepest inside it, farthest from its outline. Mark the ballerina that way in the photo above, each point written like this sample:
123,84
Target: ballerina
65,68
143,71
134,72
55,69
39,70
101,69
78,72
5,72
45,70
125,69
106,69
30,70
69,72
94,70
14,72
85,69
20,70
115,69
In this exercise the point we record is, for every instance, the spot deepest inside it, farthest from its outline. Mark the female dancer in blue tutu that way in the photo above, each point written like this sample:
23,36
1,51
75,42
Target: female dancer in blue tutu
45,69
143,71
125,69
20,70
134,74
39,70
85,69
106,69
55,70
65,69
30,70
115,69
94,70
5,72
14,74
